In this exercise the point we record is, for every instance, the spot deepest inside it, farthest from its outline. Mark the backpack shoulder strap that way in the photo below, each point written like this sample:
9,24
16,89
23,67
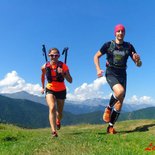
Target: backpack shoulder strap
60,63
112,46
60,78
47,64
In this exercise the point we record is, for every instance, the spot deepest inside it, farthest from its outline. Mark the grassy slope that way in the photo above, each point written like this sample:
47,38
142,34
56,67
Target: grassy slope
132,139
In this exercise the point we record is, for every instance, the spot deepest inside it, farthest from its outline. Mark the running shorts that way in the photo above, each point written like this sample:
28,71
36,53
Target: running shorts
57,94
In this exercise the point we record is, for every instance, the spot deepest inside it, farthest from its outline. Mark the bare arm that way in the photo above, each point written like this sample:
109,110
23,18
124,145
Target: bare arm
68,77
97,63
43,79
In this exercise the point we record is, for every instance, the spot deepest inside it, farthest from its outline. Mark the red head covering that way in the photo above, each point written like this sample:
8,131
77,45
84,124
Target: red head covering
118,28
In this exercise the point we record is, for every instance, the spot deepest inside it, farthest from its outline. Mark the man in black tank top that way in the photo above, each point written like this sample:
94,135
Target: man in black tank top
117,53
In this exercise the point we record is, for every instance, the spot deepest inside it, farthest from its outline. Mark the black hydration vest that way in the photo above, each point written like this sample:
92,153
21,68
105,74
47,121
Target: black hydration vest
117,58
58,77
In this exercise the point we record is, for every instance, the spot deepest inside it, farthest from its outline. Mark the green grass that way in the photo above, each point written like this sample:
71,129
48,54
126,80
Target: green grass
132,139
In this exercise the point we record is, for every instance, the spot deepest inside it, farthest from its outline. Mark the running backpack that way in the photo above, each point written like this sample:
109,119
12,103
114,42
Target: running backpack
117,61
50,78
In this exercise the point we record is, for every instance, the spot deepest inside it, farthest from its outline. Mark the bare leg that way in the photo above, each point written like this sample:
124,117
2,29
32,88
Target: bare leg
119,94
52,111
60,105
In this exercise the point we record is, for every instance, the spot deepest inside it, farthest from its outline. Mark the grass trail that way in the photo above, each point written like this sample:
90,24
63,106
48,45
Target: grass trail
134,138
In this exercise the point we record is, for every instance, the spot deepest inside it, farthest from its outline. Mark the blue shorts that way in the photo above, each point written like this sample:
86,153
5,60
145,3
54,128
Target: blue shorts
57,94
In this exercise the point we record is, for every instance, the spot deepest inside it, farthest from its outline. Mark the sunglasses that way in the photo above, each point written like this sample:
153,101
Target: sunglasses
54,55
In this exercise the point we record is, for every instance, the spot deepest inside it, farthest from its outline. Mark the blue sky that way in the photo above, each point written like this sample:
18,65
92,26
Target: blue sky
83,26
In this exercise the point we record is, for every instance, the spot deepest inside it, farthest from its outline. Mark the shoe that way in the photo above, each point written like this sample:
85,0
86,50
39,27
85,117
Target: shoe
54,134
106,115
58,123
111,130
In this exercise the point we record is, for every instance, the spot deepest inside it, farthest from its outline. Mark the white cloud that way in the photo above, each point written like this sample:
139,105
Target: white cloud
13,83
133,99
143,99
88,91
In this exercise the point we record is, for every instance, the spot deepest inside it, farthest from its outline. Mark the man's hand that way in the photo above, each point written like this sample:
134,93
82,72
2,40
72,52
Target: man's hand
136,59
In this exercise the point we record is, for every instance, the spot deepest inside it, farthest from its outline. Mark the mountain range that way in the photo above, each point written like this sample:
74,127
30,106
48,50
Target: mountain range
78,107
30,114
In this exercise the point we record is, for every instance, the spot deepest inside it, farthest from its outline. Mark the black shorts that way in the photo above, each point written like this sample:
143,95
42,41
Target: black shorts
57,94
115,76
